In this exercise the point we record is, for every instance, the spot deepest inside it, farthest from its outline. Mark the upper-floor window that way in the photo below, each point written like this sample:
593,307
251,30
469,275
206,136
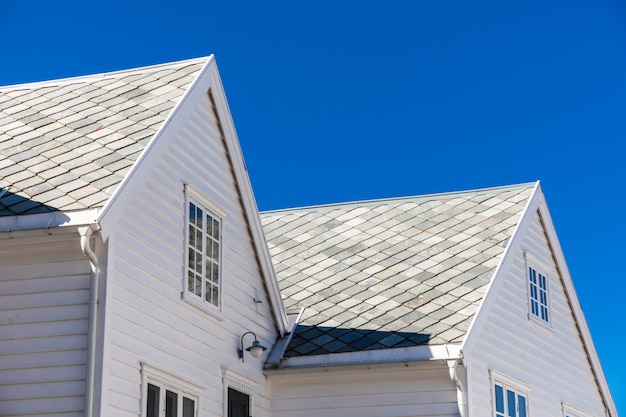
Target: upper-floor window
509,402
203,254
538,295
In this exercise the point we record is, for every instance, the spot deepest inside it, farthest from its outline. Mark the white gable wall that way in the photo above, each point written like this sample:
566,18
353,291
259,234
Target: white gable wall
422,389
550,361
149,321
44,287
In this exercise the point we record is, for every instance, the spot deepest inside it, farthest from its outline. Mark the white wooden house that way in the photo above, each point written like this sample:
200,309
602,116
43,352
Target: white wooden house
135,271
133,259
455,304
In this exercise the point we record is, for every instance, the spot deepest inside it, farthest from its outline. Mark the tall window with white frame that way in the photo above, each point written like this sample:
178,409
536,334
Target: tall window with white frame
538,295
203,250
509,402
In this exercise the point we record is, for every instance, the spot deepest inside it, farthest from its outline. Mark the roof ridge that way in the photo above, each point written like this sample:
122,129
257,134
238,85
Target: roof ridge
511,187
101,76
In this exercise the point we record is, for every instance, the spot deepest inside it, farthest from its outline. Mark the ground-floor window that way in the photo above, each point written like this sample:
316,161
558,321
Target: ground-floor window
238,403
509,402
165,401
167,394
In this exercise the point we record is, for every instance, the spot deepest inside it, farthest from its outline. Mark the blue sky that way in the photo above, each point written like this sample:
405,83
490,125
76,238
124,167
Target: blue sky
350,100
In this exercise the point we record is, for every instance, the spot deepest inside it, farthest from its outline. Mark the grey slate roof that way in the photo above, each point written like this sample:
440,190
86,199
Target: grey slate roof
67,144
390,273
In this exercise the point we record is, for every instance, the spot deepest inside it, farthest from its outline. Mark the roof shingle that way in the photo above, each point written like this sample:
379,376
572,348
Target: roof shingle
390,273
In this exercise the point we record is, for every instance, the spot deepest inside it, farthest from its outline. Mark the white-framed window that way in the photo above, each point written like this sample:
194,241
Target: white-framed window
510,397
168,401
204,254
167,395
538,297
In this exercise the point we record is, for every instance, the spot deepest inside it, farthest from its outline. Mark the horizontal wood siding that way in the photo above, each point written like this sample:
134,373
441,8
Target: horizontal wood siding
44,291
551,360
149,321
403,392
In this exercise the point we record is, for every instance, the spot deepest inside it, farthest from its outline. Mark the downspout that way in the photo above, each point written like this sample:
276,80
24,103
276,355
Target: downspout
85,244
461,394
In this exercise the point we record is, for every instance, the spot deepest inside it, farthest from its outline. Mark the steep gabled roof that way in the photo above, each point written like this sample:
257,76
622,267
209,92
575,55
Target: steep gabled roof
75,151
390,273
67,144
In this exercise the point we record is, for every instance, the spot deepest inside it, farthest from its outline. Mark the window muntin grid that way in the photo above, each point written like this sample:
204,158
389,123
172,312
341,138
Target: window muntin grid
203,250
538,292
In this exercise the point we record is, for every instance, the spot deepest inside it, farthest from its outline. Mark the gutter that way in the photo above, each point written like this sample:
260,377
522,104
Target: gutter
85,243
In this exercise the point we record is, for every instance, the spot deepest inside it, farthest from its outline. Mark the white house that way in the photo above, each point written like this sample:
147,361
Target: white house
133,259
455,304
138,279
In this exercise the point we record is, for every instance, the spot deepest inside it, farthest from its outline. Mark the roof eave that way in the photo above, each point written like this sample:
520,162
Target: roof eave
48,220
404,355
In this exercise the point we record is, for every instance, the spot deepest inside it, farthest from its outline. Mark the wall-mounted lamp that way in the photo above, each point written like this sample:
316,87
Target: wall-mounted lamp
256,349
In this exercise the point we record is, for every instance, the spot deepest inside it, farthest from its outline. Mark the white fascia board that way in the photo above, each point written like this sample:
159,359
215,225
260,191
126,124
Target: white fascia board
508,257
48,220
249,202
150,157
369,357
572,297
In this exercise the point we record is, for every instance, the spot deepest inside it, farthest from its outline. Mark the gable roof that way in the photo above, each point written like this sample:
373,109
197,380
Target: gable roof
390,273
72,151
67,144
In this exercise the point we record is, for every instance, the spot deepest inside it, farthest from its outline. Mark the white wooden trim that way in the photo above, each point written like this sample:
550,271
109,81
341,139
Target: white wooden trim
249,202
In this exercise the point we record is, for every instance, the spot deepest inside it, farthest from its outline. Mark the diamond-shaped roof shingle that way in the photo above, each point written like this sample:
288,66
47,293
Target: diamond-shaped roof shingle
390,273
67,144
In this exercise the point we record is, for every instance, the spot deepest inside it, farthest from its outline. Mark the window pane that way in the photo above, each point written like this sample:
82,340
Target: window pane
521,402
215,296
216,230
499,399
216,273
192,213
190,277
189,407
209,226
153,401
199,217
510,399
171,404
216,251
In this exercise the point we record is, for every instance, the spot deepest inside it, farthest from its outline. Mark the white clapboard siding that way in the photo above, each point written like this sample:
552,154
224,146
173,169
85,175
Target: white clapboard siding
44,287
423,390
148,319
551,361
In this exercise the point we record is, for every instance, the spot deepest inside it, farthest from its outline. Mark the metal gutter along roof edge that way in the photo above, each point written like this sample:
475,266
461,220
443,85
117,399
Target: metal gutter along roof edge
367,357
48,220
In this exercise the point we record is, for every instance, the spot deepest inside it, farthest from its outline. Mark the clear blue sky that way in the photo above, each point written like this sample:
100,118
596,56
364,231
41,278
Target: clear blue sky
348,100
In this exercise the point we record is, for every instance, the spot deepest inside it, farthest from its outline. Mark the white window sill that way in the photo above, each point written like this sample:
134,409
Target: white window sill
210,309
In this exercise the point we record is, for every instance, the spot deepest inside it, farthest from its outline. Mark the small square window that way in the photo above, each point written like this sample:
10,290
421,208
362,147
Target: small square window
203,254
538,295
